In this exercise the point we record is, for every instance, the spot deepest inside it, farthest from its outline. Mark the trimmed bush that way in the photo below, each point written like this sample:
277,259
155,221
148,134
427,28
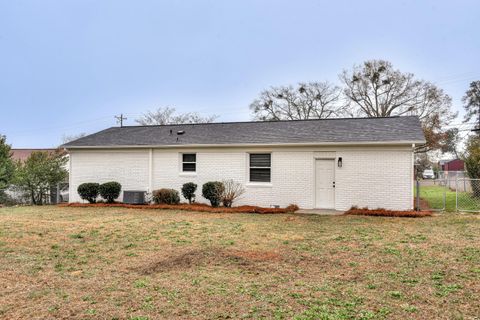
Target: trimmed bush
166,196
110,191
213,191
188,191
88,191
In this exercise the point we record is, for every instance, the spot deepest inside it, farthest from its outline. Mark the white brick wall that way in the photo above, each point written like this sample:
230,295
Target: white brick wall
376,177
130,168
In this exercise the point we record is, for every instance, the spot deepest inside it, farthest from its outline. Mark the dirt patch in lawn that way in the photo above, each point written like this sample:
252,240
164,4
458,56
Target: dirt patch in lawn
209,257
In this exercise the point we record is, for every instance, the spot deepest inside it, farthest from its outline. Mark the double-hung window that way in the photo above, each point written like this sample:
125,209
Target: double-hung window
189,162
260,167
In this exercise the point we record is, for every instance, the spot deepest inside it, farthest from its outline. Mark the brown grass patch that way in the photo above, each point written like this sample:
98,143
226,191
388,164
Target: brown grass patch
387,213
198,258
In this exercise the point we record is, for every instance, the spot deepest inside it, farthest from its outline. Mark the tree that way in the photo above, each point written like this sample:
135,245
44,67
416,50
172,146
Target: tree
472,163
39,172
312,100
7,166
422,162
376,89
471,102
168,115
452,142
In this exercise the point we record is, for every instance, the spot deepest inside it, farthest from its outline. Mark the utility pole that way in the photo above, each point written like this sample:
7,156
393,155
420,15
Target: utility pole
120,119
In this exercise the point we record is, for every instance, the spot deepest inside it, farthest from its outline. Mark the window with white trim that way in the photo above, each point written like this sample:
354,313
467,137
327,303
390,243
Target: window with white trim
260,167
189,162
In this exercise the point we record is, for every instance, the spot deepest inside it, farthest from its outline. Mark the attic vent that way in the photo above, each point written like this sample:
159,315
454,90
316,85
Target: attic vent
180,132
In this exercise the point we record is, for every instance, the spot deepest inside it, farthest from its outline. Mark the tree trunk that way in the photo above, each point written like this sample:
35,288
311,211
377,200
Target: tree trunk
32,195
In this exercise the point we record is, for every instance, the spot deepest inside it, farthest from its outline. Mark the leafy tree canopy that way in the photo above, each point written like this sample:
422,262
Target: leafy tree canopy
7,166
40,171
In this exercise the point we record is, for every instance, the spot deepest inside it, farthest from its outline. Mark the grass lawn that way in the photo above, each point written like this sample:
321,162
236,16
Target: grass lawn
434,197
113,263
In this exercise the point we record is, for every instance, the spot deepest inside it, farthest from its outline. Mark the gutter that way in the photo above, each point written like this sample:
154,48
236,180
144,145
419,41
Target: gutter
177,146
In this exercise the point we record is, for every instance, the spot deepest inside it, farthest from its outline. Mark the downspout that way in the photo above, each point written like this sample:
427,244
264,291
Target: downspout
150,170
70,193
412,174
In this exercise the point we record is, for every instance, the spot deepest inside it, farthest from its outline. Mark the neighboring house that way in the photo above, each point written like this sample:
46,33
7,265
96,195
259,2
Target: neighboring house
23,154
452,165
331,163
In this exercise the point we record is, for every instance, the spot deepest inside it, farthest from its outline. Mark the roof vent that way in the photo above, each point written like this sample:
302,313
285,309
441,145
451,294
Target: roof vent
180,132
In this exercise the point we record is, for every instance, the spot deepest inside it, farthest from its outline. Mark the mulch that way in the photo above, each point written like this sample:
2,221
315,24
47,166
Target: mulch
187,207
388,213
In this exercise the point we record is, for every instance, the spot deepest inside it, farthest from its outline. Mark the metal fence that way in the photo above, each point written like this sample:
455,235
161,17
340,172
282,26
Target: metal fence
430,194
55,194
451,193
450,177
467,195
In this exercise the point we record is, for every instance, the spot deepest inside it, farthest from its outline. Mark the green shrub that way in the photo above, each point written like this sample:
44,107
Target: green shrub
188,191
88,191
110,191
166,196
213,192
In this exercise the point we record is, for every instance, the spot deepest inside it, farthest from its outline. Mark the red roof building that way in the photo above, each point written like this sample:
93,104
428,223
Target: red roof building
23,154
453,165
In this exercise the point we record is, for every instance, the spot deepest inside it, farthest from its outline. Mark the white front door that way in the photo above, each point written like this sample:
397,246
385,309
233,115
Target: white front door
325,184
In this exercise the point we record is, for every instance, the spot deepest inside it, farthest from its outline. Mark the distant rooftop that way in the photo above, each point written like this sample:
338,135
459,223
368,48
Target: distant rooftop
23,154
339,130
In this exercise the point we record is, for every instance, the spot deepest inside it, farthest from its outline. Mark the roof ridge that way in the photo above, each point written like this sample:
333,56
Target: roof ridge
263,121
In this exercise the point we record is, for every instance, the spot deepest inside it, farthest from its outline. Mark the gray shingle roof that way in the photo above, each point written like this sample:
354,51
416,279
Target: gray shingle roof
345,130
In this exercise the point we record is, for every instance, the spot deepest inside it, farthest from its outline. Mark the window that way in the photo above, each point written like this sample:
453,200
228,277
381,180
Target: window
189,162
260,167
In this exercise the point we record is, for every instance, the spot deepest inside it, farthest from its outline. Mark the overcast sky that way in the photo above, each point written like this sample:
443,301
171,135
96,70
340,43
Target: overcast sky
69,66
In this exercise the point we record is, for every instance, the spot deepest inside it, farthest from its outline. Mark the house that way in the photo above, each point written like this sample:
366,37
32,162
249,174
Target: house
452,165
331,163
23,154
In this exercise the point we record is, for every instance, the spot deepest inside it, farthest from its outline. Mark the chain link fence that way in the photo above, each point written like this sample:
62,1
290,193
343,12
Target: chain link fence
430,194
467,194
14,196
455,193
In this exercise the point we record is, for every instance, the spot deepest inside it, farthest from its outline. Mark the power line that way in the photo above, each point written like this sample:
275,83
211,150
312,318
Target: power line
120,119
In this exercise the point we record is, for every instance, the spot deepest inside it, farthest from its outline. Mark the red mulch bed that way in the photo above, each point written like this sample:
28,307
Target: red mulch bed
388,213
187,207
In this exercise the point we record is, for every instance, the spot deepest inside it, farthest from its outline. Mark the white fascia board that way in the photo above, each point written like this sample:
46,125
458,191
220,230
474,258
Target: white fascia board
174,146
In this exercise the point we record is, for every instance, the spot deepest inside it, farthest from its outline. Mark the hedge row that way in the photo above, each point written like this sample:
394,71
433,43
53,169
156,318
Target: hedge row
90,191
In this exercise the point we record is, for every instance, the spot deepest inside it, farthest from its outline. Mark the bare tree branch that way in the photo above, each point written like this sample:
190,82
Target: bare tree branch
376,89
312,100
168,115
